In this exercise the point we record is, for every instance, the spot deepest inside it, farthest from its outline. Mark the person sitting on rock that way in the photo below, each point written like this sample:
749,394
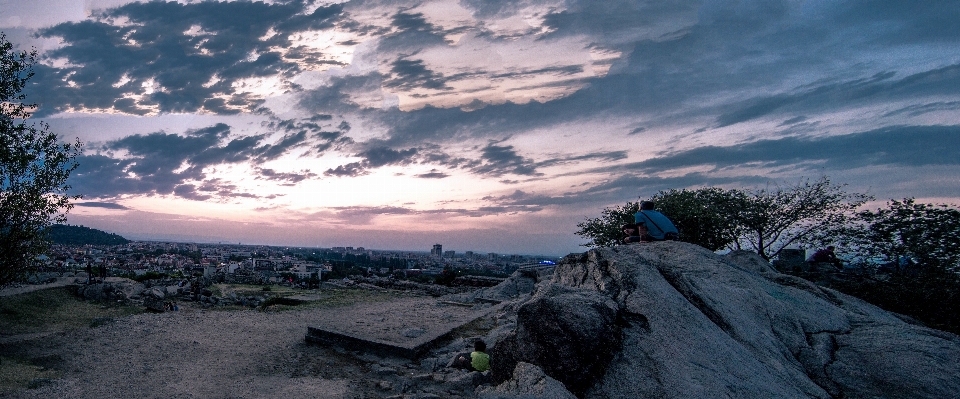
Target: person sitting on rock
659,225
478,360
636,232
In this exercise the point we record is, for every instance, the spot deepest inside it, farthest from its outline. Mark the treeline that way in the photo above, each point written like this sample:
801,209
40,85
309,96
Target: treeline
79,235
904,257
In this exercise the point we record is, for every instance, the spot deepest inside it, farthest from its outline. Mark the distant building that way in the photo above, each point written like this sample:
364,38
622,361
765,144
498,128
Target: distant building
450,254
437,250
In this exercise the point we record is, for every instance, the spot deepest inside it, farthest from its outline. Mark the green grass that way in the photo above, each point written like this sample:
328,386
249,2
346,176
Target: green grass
55,309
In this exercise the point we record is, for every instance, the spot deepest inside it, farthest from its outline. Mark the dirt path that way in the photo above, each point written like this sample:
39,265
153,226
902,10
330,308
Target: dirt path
197,353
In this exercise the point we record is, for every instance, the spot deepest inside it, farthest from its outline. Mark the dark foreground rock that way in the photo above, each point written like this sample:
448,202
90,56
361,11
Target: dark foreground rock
672,320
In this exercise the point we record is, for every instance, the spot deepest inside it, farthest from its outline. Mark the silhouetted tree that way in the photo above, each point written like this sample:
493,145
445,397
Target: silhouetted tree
765,221
34,167
909,258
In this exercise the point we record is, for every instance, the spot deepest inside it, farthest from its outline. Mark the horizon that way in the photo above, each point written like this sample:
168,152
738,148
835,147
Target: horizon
495,126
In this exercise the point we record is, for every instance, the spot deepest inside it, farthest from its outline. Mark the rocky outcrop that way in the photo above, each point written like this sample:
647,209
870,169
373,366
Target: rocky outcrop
673,320
113,289
528,382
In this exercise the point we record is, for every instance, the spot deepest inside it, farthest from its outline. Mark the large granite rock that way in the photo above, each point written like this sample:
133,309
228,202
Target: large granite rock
567,332
673,320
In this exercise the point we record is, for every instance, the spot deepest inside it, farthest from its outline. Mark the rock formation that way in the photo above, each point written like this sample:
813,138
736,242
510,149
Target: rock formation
673,320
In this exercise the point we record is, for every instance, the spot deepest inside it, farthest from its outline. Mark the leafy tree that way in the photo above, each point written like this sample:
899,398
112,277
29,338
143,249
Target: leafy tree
701,215
605,231
919,247
927,234
34,167
765,221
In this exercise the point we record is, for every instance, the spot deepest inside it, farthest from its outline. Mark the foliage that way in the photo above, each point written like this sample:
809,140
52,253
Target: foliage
930,295
925,233
150,275
79,235
604,231
34,167
701,215
917,247
765,221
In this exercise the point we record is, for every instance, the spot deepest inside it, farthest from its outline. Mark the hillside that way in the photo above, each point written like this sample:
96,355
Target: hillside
80,235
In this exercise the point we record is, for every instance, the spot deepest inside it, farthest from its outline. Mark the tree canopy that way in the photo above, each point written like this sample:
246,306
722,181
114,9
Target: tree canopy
34,167
764,221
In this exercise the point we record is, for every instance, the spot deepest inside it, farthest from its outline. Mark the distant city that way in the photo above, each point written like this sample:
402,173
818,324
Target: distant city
264,264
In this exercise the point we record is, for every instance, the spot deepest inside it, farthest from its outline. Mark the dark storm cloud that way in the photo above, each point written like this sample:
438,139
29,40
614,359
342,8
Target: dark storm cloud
895,146
153,47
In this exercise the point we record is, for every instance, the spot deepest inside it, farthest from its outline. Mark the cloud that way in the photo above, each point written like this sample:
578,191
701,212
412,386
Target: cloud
895,146
288,178
880,87
499,160
105,205
161,163
432,174
170,57
409,74
353,169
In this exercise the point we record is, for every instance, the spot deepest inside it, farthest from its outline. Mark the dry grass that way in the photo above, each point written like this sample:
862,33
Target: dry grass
42,312
54,310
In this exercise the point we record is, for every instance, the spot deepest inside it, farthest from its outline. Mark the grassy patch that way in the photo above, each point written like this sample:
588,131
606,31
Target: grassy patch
17,374
55,309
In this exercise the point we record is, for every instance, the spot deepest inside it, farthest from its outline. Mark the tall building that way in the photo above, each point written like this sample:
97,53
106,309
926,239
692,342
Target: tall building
437,250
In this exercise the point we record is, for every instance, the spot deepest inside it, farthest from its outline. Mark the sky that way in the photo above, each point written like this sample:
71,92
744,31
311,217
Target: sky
486,126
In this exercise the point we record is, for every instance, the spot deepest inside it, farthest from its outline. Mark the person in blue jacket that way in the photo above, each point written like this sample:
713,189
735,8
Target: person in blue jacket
659,227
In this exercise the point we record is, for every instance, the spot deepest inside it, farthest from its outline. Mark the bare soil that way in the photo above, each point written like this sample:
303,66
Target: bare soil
202,353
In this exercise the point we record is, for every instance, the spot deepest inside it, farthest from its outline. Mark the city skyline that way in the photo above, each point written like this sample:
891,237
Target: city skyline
495,126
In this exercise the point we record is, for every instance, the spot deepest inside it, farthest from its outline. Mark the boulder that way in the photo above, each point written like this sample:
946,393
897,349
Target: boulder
527,382
674,320
115,288
572,334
